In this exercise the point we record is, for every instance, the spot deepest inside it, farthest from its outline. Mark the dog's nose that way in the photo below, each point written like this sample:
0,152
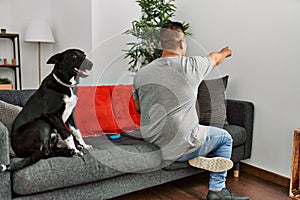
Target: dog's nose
88,64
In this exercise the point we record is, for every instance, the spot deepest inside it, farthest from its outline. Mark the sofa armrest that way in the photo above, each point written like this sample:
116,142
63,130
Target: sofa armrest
5,183
241,113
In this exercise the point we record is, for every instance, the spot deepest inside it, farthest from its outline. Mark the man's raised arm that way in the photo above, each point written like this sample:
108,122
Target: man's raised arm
218,57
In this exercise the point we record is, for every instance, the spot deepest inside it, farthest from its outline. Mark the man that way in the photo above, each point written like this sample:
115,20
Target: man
165,93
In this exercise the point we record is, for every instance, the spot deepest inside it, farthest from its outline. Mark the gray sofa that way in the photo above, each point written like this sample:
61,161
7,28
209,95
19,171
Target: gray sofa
112,168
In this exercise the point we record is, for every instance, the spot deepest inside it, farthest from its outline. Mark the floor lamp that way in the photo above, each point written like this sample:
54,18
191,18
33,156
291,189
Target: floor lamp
39,31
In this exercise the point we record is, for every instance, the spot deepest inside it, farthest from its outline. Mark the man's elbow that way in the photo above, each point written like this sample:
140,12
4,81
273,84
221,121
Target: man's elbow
138,110
137,106
213,58
216,58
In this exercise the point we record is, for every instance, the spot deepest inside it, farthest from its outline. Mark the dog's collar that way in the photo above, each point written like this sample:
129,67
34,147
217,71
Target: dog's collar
62,83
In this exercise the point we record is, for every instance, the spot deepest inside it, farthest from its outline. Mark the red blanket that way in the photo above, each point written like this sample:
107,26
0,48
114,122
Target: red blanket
106,109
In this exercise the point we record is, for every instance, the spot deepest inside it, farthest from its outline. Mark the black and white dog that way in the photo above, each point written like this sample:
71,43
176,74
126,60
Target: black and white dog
49,112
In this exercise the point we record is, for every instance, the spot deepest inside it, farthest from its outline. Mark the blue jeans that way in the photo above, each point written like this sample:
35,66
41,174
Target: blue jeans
218,142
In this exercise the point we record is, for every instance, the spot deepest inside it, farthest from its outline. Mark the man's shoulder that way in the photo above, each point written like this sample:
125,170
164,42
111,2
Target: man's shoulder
150,67
197,58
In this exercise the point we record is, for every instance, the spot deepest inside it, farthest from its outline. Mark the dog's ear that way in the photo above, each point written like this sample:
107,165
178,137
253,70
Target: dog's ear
55,59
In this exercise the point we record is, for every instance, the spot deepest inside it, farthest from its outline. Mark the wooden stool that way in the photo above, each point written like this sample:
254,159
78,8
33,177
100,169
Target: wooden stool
295,181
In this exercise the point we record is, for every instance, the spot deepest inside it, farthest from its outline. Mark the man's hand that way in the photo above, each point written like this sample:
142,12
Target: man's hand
218,57
226,51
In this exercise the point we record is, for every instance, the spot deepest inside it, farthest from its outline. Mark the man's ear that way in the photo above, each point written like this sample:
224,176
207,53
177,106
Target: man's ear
55,59
181,43
160,45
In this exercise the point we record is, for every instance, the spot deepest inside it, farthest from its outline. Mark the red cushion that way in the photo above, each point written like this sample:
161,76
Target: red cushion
103,109
106,109
123,108
85,114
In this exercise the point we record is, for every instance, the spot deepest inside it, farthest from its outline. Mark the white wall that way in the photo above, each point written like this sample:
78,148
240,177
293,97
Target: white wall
264,68
72,27
15,15
264,37
71,24
110,18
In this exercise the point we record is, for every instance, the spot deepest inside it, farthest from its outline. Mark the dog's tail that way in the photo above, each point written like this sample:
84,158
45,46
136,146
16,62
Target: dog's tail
20,164
24,162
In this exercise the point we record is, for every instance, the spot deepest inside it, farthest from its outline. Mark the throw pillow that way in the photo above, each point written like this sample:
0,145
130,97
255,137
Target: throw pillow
126,117
106,109
8,113
210,104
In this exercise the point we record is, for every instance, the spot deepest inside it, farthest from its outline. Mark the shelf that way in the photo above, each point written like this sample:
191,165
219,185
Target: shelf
9,65
8,35
15,66
6,86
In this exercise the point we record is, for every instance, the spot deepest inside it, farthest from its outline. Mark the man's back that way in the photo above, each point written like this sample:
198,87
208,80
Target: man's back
167,91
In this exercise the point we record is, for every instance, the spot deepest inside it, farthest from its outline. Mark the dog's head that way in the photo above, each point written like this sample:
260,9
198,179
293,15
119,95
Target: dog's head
69,64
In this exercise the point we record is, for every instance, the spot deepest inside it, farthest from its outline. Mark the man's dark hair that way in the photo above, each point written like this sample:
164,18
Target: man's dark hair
170,33
178,26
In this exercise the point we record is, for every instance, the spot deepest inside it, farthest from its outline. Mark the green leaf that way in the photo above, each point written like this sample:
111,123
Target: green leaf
5,81
146,30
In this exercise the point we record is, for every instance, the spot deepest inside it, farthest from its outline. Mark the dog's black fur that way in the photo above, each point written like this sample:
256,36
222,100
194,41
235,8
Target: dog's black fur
49,112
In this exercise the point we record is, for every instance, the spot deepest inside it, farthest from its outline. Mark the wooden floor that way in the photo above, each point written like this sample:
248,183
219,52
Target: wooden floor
195,187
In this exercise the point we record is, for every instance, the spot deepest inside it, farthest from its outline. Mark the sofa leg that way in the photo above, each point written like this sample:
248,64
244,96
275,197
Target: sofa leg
236,169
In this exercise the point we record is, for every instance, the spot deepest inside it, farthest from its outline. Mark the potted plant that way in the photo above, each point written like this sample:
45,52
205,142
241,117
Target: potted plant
155,13
5,84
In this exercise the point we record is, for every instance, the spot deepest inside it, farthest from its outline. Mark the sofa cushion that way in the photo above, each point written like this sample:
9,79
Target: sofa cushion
85,114
211,102
123,108
106,160
106,109
237,133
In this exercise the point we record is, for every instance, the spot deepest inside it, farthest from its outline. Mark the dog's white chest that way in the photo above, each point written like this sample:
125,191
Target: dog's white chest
70,103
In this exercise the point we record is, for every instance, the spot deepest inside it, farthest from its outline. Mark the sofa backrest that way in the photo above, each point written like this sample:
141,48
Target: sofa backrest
99,110
16,97
110,109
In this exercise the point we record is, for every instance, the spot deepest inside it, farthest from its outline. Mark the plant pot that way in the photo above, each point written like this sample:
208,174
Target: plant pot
6,86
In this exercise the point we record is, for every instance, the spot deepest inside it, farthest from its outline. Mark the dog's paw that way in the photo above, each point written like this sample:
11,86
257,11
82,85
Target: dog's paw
70,152
79,153
76,152
79,147
87,146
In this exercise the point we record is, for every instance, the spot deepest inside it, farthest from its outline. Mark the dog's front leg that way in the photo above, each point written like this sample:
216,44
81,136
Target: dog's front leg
78,136
59,125
71,123
71,145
